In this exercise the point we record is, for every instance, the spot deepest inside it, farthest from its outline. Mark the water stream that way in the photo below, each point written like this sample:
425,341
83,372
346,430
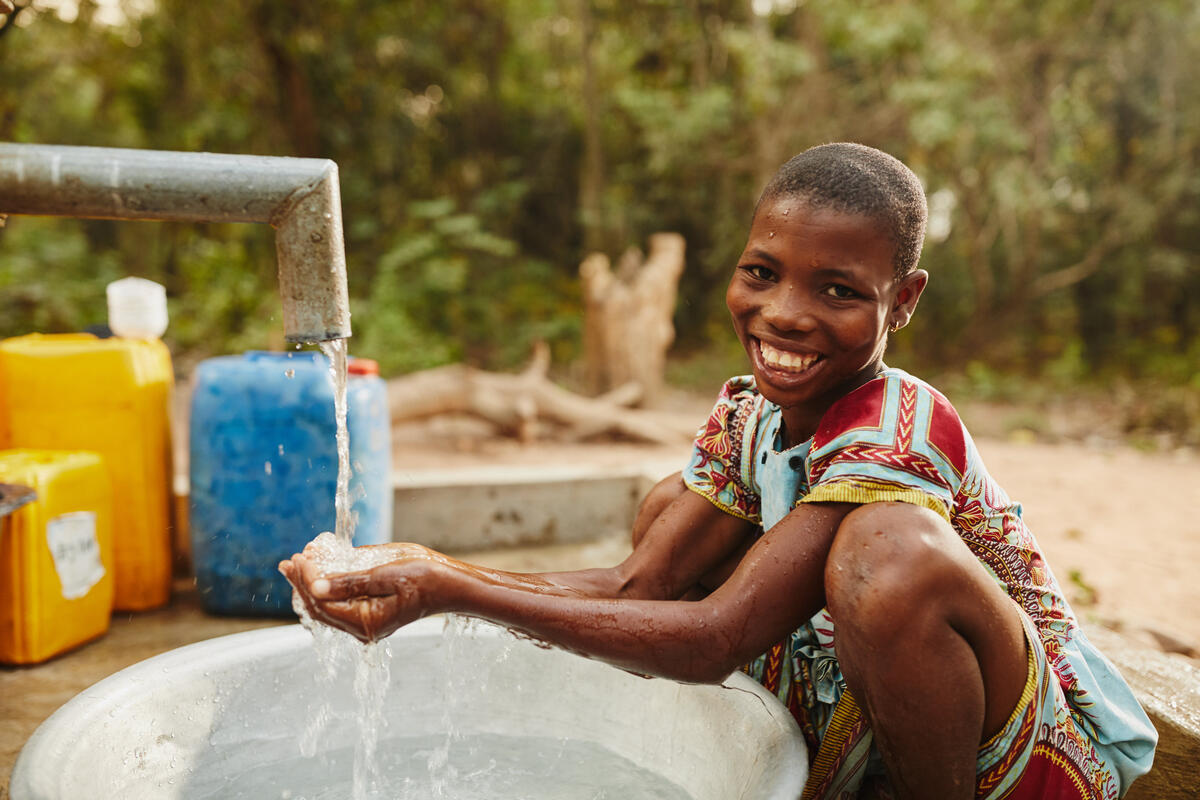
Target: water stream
335,351
339,653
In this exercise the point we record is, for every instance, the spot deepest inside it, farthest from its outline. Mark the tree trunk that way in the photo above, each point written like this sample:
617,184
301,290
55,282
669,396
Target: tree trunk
627,324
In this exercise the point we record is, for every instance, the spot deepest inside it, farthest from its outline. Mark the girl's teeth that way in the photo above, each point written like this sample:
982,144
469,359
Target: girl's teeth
782,359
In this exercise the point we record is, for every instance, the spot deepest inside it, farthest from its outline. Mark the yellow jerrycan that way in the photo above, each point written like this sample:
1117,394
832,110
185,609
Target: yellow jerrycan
112,397
56,557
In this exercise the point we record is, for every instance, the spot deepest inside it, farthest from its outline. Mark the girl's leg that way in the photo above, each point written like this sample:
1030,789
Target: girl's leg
927,641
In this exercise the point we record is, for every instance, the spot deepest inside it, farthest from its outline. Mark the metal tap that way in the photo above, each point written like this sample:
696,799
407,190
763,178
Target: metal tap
299,197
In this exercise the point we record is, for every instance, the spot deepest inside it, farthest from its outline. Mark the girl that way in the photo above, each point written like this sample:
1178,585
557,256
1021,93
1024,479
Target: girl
836,534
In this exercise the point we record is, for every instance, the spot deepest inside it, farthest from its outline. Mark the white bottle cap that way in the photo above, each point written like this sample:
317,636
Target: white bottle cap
137,308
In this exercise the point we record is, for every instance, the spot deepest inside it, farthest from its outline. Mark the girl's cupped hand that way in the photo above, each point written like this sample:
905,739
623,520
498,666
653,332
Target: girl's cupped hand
372,602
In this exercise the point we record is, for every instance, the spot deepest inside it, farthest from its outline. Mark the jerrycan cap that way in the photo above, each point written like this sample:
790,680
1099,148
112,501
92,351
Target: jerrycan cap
362,366
137,308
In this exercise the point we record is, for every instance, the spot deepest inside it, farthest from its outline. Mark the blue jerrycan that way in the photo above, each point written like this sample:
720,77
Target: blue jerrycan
264,470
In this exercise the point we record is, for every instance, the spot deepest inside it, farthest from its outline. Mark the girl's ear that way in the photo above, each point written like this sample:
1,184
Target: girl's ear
908,293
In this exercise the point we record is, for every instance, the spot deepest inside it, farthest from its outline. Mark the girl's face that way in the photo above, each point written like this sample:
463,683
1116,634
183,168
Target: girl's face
812,298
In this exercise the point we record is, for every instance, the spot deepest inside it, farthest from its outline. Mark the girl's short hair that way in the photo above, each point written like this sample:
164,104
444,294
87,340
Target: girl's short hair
854,178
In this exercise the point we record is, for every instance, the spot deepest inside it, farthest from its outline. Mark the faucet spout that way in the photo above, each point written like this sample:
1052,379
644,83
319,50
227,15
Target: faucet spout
299,197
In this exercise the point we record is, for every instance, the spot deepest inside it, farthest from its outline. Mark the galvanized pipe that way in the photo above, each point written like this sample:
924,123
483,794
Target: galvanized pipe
299,197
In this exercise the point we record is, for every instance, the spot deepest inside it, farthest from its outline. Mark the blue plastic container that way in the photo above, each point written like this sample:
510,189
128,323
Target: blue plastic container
264,470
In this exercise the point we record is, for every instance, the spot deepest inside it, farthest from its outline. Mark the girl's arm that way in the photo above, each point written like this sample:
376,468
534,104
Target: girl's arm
684,542
778,585
688,542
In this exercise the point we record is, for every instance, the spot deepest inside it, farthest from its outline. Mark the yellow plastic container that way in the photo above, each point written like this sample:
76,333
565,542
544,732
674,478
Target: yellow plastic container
112,397
56,556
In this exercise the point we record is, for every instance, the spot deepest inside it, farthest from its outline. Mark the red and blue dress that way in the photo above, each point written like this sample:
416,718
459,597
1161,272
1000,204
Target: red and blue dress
1078,731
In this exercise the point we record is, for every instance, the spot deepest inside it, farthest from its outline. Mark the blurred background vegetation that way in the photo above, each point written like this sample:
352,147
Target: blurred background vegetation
486,146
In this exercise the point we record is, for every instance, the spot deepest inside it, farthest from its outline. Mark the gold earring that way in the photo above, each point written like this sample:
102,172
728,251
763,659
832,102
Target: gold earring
895,326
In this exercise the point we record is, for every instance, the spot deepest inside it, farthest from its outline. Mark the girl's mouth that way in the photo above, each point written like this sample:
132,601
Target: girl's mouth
784,360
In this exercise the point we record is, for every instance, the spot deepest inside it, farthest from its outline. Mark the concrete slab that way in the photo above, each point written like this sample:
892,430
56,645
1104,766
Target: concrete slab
482,508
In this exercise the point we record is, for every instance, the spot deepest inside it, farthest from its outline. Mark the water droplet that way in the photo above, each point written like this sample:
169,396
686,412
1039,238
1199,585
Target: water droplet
771,235
267,467
291,373
280,449
785,211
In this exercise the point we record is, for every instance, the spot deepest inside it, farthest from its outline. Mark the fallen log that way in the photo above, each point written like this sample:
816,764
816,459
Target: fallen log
525,404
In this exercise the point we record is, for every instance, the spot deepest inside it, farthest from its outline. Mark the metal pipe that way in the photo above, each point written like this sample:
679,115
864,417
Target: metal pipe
299,197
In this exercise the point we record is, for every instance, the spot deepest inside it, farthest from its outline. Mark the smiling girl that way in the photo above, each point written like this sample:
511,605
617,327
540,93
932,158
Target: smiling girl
835,534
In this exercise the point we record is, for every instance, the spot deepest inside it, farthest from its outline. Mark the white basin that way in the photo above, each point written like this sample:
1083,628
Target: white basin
224,718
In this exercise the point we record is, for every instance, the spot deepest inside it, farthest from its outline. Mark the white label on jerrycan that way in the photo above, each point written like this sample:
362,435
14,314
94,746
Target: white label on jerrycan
72,540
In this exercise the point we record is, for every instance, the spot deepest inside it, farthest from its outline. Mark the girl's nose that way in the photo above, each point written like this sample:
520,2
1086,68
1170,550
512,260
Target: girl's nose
787,309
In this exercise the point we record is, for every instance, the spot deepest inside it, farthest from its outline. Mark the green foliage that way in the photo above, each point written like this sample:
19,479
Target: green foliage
34,302
222,290
484,148
446,290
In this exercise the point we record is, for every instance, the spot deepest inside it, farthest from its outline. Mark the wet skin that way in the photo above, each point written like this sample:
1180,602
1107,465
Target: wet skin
927,641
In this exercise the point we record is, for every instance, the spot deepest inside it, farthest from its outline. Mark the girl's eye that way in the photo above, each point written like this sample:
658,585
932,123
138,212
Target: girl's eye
758,272
840,291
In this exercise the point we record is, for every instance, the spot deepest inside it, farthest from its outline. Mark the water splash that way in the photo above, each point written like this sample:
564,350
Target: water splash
454,636
337,654
372,677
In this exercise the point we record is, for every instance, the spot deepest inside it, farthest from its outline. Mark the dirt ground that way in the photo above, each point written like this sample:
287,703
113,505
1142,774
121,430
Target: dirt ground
1117,524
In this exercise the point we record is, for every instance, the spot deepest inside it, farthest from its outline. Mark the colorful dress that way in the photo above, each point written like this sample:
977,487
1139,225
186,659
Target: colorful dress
1078,731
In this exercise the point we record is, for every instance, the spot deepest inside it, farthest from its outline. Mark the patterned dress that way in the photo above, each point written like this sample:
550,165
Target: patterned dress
1077,732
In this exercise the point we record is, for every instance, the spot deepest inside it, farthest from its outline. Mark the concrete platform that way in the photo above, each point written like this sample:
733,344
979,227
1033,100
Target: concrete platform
482,508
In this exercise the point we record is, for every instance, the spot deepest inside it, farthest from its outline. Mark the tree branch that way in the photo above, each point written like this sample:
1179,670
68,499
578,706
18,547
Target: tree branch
1081,269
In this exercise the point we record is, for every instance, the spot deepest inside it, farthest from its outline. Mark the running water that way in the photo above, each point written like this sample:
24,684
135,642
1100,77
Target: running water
335,351
336,651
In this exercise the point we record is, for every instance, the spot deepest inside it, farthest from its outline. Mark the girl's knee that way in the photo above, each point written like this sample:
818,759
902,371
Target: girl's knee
888,561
